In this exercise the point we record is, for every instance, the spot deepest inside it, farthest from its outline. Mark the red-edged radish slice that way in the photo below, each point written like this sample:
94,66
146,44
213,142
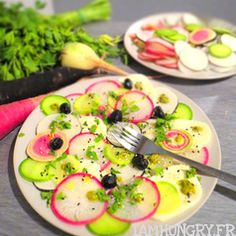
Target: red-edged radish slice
223,62
169,62
194,59
72,97
70,203
177,140
157,48
180,45
138,106
144,35
75,128
145,56
79,145
229,40
195,154
113,141
162,41
39,149
102,88
144,209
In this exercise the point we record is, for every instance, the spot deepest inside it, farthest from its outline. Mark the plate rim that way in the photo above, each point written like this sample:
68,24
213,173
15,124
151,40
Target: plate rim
58,223
167,71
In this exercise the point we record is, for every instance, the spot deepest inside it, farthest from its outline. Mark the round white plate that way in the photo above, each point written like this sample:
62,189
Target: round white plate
202,75
32,195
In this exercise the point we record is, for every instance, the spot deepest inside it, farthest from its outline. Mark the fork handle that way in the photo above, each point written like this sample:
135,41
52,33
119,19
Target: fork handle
207,170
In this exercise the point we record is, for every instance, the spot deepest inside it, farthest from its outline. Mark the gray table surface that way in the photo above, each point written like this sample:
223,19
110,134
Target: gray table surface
216,98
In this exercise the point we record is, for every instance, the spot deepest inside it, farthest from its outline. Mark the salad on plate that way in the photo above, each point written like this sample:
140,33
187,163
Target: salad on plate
88,179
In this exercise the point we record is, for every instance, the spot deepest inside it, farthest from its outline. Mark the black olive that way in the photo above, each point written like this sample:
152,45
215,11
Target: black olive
109,181
140,162
158,112
114,117
56,143
128,84
65,108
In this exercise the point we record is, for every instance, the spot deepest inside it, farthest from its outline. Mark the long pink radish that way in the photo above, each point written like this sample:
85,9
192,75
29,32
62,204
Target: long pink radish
70,203
13,114
136,106
143,209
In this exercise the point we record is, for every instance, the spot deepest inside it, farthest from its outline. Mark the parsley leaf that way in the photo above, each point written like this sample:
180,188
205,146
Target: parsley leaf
191,173
90,153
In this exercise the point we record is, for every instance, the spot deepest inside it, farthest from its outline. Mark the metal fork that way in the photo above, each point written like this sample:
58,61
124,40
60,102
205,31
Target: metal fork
135,142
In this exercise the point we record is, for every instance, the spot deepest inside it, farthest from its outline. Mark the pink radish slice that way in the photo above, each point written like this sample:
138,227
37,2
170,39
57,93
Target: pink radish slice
39,148
177,140
163,42
142,102
70,203
78,146
167,62
71,97
145,56
102,88
142,210
158,49
200,155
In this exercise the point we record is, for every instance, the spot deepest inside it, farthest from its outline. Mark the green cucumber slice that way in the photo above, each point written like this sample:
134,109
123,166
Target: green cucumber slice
219,50
108,226
192,27
176,37
221,31
165,32
183,111
170,198
34,171
87,103
118,156
51,104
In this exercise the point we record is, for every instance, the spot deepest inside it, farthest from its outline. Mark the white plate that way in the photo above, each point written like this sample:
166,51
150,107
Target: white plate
32,194
132,49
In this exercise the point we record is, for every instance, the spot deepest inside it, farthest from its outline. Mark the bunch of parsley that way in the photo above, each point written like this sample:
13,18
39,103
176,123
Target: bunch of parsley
31,42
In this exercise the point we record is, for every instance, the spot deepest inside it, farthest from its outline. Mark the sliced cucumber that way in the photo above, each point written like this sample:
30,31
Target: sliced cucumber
165,32
219,50
176,37
32,170
183,111
192,27
108,226
87,103
51,104
118,156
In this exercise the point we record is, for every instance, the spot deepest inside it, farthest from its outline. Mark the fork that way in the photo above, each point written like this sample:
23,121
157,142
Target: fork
137,143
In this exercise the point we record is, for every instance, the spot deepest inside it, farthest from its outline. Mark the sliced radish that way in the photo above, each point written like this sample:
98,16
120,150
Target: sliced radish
93,124
184,69
39,149
189,18
158,48
79,146
70,203
180,45
45,186
221,69
223,62
144,35
148,128
177,140
44,124
194,59
165,98
164,42
102,88
196,154
229,40
145,56
140,101
113,141
144,209
168,63
202,36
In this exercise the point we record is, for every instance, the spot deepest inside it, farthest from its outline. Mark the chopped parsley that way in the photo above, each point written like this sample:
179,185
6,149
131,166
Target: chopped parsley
93,128
47,196
69,169
127,108
60,124
114,172
113,95
126,191
191,173
60,196
102,196
98,138
90,153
